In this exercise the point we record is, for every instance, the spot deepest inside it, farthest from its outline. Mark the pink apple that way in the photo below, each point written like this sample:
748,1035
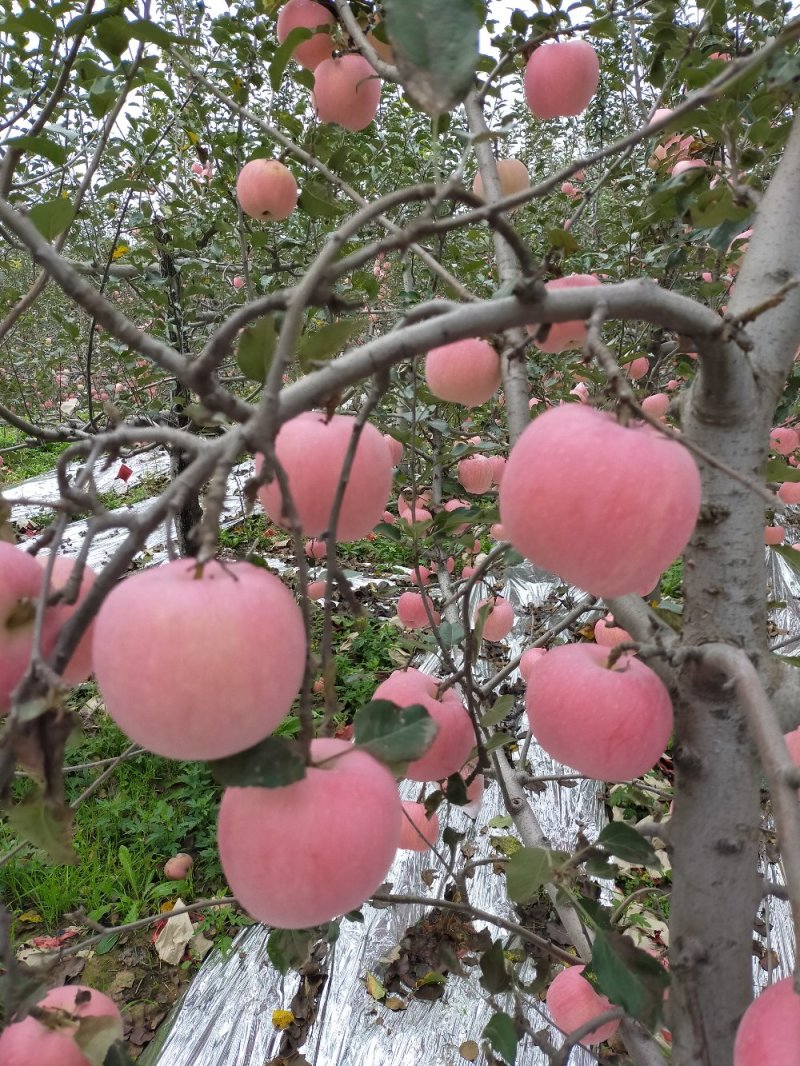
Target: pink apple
455,505
199,665
20,585
637,368
528,661
395,449
572,1002
300,855
610,724
308,15
466,372
769,1032
266,189
237,282
564,335
783,440
656,405
418,832
561,78
316,589
30,1043
311,449
684,165
315,549
774,534
608,635
79,666
604,506
475,474
789,492
177,868
346,91
498,464
455,737
411,611
499,621
513,175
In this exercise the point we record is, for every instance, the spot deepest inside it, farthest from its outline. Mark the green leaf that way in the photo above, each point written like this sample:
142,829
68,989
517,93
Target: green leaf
501,710
52,217
435,45
630,977
273,763
779,471
623,841
152,33
256,348
791,555
451,633
501,1033
113,35
393,734
29,21
563,239
316,200
455,791
96,1035
527,870
283,54
45,825
288,949
494,976
41,145
326,342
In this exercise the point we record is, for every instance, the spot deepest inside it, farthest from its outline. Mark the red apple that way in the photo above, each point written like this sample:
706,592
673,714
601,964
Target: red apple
30,1043
20,585
466,372
475,474
79,666
789,492
499,621
528,661
604,506
199,665
312,449
266,189
513,175
308,15
610,724
418,832
783,440
177,868
608,635
769,1032
561,78
411,611
346,91
455,737
300,855
573,1002
565,335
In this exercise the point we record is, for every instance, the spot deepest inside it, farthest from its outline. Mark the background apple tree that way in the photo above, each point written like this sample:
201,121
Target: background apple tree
140,306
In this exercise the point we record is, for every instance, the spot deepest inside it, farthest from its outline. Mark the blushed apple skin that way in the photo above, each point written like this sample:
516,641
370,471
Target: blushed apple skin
564,336
79,666
513,175
500,619
309,15
29,1043
312,450
475,474
572,1002
561,78
199,668
455,738
769,1032
465,372
303,854
266,190
412,613
603,506
20,585
346,92
612,725
415,822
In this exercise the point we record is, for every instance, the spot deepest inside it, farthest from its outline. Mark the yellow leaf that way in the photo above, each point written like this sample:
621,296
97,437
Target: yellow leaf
119,251
30,918
192,137
374,987
282,1019
395,1003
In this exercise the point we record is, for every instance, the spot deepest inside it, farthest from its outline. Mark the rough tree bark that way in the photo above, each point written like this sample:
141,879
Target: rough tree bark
717,814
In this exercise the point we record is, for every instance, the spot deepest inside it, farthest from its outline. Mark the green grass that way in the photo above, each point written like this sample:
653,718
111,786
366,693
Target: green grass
147,810
25,463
